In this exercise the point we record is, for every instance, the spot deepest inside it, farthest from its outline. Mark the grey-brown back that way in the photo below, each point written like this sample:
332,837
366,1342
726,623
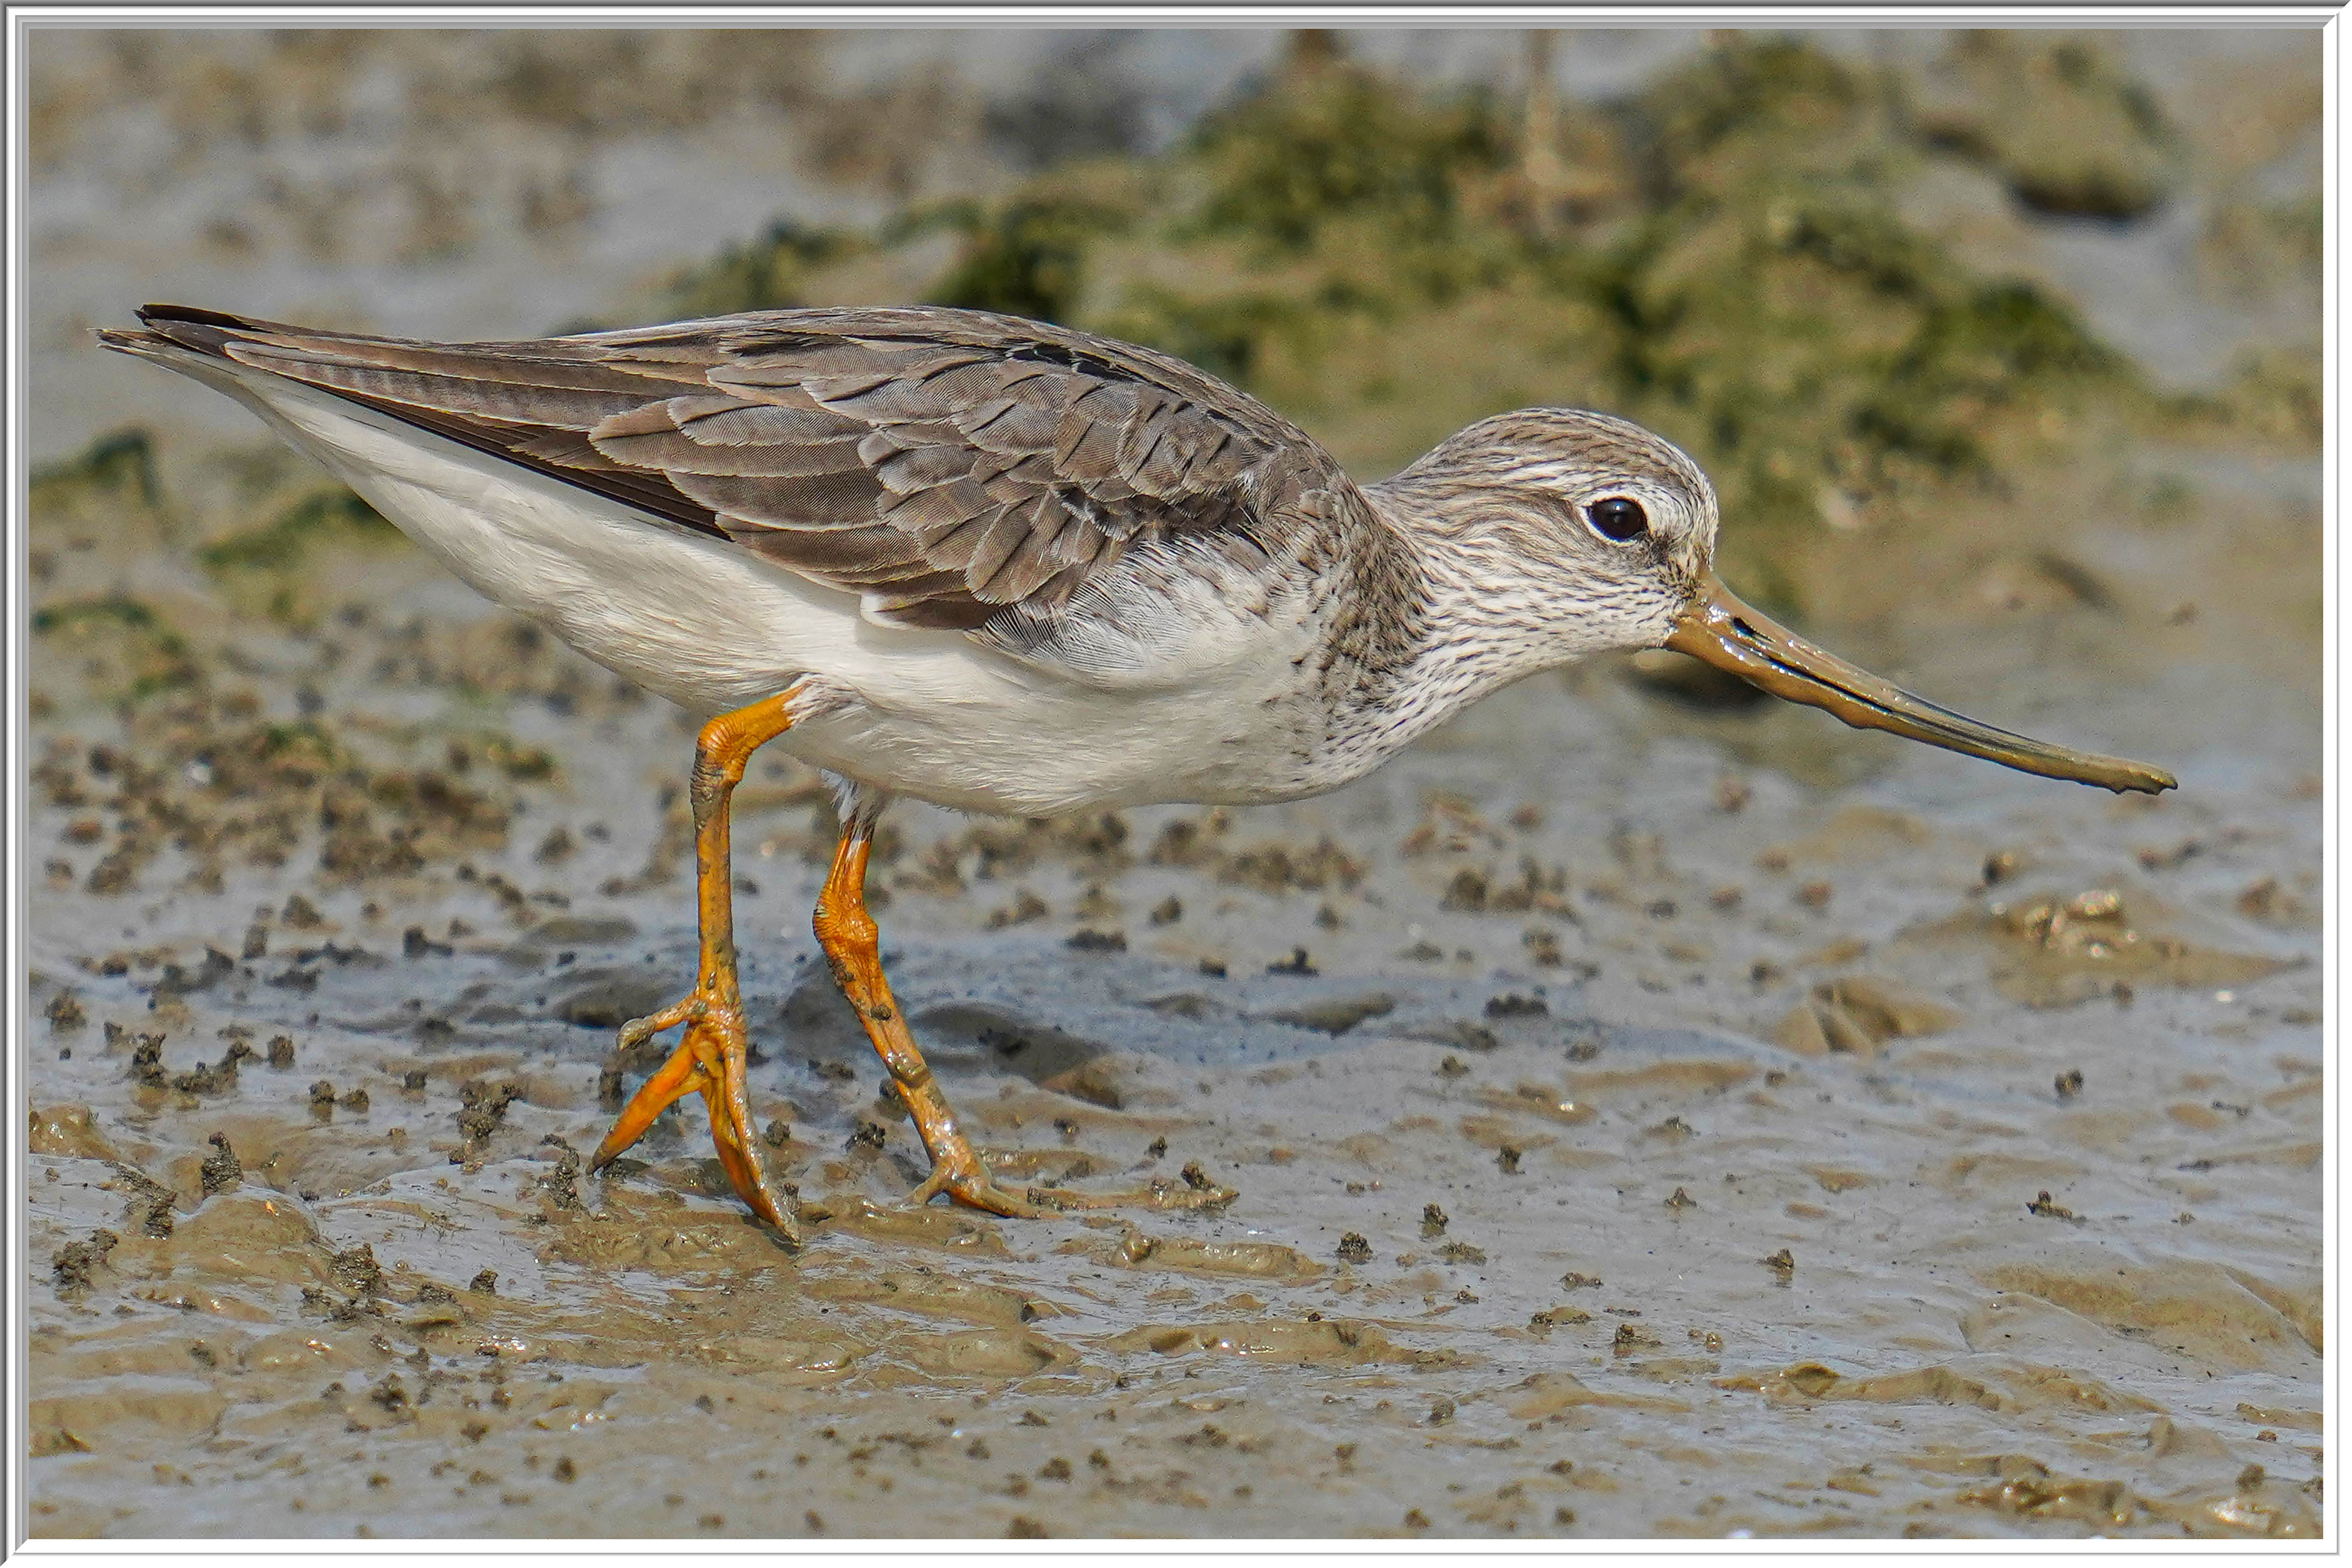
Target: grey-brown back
958,469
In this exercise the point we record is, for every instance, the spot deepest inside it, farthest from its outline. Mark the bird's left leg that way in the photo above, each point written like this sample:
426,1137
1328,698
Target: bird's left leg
711,1057
853,942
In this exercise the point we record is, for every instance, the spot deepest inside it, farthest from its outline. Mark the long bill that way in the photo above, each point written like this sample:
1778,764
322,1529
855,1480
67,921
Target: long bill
1726,634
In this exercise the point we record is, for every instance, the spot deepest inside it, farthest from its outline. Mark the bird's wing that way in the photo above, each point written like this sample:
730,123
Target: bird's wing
954,468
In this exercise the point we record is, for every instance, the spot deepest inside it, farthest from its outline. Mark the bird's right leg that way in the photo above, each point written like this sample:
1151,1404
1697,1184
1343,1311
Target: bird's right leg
711,1057
851,942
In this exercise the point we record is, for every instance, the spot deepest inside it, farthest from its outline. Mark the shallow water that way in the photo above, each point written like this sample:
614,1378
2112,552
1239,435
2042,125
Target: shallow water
1826,1134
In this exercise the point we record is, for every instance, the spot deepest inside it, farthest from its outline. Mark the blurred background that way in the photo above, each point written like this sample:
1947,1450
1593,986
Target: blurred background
1864,277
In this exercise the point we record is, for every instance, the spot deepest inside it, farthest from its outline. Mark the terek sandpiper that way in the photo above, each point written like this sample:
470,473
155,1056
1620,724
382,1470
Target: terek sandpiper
1009,568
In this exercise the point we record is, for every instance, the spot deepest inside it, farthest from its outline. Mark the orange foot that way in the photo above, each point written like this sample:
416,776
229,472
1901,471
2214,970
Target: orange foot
708,1061
711,1059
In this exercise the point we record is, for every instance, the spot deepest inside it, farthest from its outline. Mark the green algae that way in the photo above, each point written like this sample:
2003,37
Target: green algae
1027,258
1340,242
1755,103
283,542
1228,337
129,651
2057,120
112,610
770,273
1334,140
1373,260
118,463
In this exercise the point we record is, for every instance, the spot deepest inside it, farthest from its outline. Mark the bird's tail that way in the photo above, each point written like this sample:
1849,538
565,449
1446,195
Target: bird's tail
192,328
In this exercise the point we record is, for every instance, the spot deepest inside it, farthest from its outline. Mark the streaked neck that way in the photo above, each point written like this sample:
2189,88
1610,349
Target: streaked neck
1455,622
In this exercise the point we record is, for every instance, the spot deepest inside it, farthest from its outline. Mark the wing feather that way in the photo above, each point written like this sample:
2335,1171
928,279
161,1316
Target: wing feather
952,467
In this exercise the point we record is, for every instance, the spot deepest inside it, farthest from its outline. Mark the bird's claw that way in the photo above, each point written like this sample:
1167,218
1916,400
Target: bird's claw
710,1061
687,1009
965,1178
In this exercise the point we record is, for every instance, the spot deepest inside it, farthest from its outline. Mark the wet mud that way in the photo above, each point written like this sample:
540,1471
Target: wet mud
1651,1113
1600,1172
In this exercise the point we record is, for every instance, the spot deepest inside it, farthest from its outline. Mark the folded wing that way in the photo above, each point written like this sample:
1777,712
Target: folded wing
954,468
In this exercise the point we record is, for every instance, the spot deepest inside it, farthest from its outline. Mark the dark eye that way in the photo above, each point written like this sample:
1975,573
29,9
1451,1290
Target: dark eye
1618,518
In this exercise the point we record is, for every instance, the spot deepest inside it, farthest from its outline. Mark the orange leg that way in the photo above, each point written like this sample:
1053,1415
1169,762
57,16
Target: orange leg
710,1059
853,942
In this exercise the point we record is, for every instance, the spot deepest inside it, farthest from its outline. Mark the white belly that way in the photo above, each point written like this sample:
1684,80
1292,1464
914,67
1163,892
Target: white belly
712,627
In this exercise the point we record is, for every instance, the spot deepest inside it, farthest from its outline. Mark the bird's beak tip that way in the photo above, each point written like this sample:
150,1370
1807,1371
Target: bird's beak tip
1718,628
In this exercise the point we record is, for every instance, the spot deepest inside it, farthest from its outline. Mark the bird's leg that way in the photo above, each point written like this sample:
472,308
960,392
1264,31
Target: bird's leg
711,1058
853,942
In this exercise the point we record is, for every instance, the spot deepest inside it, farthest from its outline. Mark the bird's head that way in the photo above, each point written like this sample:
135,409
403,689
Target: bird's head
1600,537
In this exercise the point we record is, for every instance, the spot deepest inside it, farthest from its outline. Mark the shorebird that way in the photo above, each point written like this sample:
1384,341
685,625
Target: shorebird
1005,566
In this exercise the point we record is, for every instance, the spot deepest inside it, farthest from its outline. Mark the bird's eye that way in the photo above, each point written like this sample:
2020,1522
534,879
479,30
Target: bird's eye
1618,518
